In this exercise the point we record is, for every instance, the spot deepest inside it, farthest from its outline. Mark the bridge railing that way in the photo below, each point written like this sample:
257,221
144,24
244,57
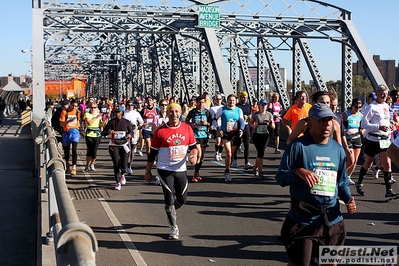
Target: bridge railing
74,241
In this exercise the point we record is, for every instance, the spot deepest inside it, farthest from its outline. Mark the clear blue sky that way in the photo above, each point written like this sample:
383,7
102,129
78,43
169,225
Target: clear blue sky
375,21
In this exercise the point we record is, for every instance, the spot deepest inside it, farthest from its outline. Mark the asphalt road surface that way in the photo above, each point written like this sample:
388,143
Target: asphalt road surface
222,223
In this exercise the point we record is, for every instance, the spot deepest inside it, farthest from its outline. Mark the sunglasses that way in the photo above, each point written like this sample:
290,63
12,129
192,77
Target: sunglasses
130,104
163,104
219,99
94,107
357,107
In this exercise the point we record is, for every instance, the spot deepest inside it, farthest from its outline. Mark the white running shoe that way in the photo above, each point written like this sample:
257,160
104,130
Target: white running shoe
216,156
92,167
157,181
129,171
220,157
248,166
174,233
376,171
123,180
118,186
140,153
350,181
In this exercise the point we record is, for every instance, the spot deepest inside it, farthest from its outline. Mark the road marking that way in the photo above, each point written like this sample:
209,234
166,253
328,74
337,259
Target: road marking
134,253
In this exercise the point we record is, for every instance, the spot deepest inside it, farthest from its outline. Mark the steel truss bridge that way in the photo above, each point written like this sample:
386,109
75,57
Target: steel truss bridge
158,48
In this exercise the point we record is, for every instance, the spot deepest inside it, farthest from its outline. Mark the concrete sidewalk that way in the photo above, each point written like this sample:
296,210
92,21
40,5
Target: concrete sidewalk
19,194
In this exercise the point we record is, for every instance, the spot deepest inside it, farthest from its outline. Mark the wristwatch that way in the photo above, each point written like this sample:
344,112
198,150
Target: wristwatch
147,172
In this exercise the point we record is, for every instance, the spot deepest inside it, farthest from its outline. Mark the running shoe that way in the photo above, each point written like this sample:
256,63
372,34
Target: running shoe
174,233
92,167
216,156
123,180
240,150
196,178
140,153
260,176
73,171
390,195
376,171
118,186
392,181
220,157
234,163
350,181
87,168
248,166
277,151
157,181
255,171
359,188
227,177
129,171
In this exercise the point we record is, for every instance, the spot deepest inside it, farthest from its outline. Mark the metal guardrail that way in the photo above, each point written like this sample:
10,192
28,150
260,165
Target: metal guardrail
74,241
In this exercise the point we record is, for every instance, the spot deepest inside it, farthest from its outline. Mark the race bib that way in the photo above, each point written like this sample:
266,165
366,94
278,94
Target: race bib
231,126
72,123
103,110
262,129
384,143
120,134
176,153
327,183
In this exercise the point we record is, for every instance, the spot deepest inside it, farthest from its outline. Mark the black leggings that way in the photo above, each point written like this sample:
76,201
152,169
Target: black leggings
174,183
245,140
67,150
260,141
118,155
92,146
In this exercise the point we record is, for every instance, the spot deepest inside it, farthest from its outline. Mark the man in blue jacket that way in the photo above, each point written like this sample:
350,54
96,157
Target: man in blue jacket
316,177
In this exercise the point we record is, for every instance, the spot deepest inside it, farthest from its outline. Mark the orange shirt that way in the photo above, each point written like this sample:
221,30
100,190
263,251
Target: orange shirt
72,115
294,114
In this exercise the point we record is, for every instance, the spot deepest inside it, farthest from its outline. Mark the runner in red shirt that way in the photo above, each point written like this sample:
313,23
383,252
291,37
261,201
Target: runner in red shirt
171,142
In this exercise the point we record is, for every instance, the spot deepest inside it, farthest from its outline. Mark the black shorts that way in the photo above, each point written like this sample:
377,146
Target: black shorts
276,130
355,143
372,148
233,137
146,134
203,142
302,243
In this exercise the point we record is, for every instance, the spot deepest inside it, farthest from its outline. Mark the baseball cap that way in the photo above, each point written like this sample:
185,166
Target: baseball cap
243,94
320,110
263,102
356,101
373,95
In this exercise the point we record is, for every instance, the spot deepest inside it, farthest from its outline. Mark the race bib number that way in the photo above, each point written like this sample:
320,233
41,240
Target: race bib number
72,122
327,183
149,120
231,126
384,143
176,153
103,110
262,129
120,134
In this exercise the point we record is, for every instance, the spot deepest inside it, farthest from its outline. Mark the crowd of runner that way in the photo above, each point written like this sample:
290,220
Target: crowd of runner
160,128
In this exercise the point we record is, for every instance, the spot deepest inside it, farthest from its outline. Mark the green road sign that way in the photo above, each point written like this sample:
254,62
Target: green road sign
208,17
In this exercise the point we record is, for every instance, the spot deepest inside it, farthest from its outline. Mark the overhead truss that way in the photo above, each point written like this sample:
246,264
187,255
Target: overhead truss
158,48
